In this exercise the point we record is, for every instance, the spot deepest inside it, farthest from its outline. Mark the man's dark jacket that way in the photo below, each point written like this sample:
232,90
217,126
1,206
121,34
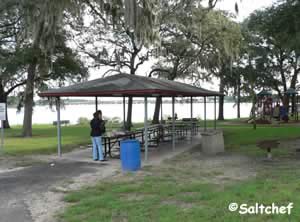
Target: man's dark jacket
97,126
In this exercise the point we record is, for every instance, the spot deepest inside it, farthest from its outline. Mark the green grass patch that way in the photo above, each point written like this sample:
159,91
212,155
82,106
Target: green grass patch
174,193
171,201
44,139
243,139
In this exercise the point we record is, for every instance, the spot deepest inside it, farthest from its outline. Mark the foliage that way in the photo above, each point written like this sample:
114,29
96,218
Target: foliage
273,46
83,121
194,40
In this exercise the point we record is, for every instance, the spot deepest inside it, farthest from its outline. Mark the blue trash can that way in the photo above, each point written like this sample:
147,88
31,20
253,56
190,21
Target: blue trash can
130,155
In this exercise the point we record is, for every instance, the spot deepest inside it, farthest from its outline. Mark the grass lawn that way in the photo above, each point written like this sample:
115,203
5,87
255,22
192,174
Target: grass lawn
193,187
44,140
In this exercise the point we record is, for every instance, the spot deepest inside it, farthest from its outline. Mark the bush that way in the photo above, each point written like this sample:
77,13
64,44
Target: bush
114,120
83,121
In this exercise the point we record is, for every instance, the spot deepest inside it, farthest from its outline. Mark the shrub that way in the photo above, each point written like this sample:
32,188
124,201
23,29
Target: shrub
83,121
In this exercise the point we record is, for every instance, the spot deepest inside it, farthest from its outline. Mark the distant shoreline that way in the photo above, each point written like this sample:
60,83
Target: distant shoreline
90,102
135,101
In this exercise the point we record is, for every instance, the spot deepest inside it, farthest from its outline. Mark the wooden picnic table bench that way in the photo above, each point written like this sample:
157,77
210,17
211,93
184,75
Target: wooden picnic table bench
62,122
109,141
156,133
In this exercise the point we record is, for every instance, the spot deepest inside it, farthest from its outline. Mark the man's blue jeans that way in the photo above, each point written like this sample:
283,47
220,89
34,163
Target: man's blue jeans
97,148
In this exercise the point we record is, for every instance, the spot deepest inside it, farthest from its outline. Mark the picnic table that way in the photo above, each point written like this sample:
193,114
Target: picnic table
156,134
62,122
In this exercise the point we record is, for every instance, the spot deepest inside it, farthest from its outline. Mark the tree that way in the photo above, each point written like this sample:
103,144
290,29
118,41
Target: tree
247,73
34,46
43,20
277,44
11,55
187,39
115,44
11,77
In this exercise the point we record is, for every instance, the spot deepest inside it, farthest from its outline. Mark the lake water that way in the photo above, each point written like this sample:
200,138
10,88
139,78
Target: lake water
43,114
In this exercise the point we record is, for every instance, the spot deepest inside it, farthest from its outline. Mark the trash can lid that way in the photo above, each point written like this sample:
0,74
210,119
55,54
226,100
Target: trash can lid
129,141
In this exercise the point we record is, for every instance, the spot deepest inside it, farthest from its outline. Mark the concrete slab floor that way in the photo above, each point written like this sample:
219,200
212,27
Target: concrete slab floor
155,156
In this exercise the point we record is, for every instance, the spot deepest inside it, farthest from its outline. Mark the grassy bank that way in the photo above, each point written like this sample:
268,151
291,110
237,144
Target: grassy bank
193,187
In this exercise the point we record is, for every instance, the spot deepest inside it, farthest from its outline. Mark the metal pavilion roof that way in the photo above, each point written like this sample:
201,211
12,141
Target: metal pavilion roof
129,85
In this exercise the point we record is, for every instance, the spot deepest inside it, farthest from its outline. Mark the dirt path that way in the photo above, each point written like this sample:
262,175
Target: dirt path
34,193
32,188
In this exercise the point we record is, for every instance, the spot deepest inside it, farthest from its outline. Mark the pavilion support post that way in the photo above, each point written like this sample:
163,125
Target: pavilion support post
173,123
192,124
146,129
124,113
96,103
161,111
297,111
205,127
58,124
215,112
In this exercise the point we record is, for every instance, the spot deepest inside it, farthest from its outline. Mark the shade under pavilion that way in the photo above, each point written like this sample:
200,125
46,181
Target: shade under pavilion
126,85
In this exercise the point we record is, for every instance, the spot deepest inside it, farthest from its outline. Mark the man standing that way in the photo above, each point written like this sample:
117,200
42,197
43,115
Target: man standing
97,129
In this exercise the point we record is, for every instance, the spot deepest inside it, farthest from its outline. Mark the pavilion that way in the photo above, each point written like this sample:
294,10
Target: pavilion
125,85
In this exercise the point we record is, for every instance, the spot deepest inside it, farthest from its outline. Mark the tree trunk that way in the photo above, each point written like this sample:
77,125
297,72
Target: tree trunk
221,100
254,109
285,102
3,99
129,114
293,86
28,103
293,104
156,111
221,108
239,98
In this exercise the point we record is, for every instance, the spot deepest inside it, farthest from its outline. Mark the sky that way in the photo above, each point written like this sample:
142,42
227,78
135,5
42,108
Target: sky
246,7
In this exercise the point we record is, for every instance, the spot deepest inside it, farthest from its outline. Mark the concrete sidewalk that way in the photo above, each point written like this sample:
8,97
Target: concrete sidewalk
156,154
